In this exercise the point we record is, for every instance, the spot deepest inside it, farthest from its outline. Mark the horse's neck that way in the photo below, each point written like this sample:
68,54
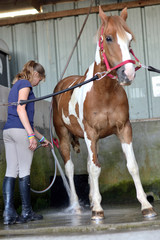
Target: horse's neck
96,67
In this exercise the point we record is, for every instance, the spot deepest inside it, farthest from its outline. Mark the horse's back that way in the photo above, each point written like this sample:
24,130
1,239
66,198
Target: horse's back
68,82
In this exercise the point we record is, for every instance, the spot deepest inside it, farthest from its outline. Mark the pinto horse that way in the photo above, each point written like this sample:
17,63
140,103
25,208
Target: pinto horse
99,109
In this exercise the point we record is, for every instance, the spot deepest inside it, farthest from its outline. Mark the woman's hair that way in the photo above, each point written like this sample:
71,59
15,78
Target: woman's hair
28,70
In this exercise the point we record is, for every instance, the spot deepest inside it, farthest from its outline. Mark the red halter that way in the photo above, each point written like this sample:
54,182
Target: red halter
136,61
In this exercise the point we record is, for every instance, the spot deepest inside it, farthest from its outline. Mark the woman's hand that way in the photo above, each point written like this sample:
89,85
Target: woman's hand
46,143
32,144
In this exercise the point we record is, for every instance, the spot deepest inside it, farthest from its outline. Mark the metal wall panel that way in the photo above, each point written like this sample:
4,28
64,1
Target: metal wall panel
51,41
66,38
46,49
152,19
137,91
24,44
87,43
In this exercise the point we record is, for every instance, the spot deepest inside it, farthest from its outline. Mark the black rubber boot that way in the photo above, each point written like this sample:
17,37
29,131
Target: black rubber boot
27,212
10,215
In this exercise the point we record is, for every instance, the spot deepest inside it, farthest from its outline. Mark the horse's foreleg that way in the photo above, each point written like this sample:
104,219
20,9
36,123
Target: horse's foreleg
95,197
146,207
94,171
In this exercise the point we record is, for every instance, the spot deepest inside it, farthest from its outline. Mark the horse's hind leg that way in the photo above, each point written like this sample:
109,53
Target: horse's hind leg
69,168
126,141
74,203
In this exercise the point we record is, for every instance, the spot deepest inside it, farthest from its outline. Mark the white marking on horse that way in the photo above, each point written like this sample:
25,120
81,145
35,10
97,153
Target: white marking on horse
134,171
73,102
94,173
123,43
65,119
83,93
71,84
88,143
97,55
69,169
78,97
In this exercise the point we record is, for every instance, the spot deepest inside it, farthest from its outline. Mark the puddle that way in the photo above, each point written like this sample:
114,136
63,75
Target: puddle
61,220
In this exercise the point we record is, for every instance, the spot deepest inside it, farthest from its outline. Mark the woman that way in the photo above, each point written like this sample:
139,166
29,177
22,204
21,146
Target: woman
19,137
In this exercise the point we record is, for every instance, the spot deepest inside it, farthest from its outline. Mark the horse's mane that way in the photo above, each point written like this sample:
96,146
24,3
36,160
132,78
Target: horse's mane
119,24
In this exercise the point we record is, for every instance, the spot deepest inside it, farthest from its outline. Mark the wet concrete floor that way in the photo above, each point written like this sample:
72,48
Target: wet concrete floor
120,221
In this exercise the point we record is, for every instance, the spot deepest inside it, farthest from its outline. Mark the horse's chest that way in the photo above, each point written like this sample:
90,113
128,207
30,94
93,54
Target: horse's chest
83,108
101,122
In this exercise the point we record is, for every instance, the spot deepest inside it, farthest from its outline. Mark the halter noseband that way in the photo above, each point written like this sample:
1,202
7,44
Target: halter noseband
109,69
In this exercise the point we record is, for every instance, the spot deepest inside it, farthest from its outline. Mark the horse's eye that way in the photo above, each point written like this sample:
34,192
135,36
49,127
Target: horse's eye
109,39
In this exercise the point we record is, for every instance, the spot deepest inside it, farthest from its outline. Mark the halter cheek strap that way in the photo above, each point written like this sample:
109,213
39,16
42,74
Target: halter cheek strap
109,69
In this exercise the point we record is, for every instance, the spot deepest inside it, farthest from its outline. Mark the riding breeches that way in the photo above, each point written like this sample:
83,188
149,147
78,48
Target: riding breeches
18,155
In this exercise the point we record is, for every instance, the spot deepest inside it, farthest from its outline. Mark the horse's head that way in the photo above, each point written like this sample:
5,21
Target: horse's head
116,42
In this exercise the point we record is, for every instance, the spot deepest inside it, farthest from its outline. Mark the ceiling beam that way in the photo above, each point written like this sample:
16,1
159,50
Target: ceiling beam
36,4
75,12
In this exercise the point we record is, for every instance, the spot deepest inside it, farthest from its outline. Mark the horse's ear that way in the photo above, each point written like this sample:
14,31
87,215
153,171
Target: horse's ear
124,14
102,15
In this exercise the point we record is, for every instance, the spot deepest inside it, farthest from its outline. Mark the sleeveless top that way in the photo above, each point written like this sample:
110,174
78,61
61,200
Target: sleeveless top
13,120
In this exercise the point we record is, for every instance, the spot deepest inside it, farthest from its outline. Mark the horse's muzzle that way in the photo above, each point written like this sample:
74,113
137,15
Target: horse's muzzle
122,77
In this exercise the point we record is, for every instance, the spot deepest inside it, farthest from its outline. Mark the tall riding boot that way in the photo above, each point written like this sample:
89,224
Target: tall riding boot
10,215
27,212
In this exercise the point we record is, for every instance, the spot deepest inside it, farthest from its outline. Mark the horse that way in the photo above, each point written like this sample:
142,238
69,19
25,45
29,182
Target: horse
99,109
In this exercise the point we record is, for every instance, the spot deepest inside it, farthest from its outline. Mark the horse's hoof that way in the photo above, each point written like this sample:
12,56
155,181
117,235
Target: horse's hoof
73,210
97,215
149,213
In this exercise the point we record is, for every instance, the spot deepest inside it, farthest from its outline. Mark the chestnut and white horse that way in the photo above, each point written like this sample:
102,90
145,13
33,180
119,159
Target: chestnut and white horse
99,109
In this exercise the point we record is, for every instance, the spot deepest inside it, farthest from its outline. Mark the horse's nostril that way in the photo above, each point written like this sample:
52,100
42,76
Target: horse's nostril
122,71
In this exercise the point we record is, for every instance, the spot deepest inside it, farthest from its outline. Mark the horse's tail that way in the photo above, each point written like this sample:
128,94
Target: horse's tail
75,143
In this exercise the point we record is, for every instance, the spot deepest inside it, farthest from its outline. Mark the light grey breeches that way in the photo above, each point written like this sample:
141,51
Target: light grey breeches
18,155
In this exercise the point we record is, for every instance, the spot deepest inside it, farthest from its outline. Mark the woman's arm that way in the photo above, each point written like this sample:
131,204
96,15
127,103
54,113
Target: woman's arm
38,135
21,110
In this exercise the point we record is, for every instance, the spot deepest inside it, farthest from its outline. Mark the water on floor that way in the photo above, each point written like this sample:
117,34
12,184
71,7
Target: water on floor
60,221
